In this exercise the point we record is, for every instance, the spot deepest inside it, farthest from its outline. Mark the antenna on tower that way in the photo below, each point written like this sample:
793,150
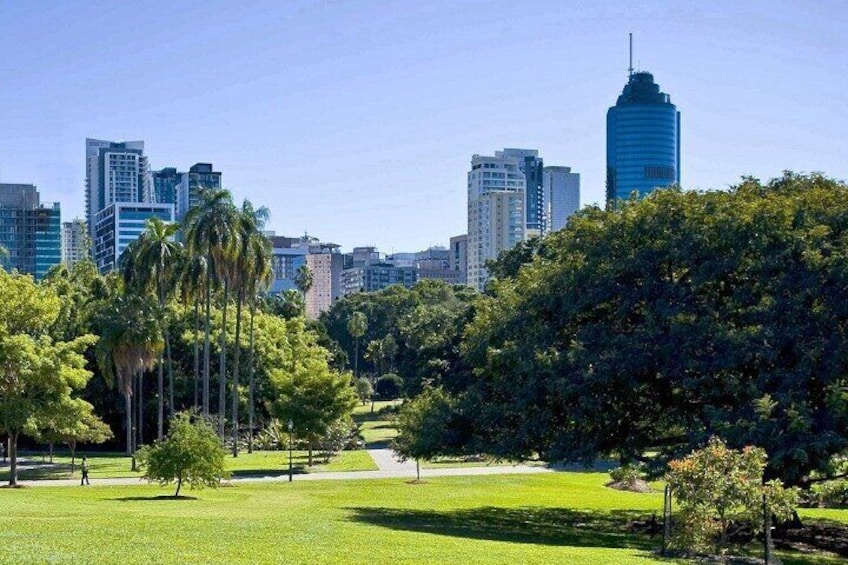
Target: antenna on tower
630,68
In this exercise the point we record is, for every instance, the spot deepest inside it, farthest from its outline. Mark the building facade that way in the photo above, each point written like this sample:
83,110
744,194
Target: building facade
459,256
199,176
496,214
377,276
562,196
165,184
326,267
118,225
643,140
532,166
76,245
115,172
30,232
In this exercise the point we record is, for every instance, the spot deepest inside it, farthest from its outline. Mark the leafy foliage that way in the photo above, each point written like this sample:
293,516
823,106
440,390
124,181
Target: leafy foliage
191,454
716,486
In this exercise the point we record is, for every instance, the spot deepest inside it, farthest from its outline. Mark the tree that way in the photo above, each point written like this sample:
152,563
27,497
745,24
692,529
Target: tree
717,486
425,426
303,280
130,342
670,319
72,421
37,374
357,324
149,265
389,386
259,280
212,231
364,390
191,454
311,396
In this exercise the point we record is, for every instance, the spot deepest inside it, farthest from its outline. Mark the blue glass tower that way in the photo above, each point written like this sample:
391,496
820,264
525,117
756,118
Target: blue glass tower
643,140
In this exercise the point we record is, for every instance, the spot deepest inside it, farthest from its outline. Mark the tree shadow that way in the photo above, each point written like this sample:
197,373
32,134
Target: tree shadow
273,472
152,498
536,525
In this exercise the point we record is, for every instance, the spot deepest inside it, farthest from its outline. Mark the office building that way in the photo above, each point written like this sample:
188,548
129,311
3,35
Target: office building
496,211
76,245
532,166
435,263
643,140
115,172
165,184
562,196
118,225
376,276
459,256
29,231
325,263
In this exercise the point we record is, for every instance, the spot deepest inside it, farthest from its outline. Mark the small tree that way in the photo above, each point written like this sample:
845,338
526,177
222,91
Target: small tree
389,386
192,454
71,422
424,425
364,390
717,486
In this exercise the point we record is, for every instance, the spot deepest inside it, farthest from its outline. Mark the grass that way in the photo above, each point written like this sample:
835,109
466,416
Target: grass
258,463
376,430
529,519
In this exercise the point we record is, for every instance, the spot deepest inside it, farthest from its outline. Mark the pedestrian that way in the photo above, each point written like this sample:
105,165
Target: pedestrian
84,467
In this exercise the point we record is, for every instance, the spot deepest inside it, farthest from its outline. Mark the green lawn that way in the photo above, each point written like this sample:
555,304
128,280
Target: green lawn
565,518
258,463
376,430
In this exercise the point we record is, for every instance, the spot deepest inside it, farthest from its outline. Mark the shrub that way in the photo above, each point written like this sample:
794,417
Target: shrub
627,474
191,454
364,390
716,486
832,494
389,386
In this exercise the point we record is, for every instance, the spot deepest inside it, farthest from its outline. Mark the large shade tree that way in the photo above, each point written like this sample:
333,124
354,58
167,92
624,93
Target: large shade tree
650,328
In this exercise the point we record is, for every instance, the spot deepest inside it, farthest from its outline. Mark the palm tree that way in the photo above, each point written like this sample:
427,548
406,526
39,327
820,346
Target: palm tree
303,280
259,267
192,283
356,327
252,220
130,342
149,264
212,231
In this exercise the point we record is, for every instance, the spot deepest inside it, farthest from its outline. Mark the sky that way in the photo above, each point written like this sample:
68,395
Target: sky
356,121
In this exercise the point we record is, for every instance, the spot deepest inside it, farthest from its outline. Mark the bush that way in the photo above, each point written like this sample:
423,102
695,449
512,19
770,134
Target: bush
364,390
389,386
273,437
626,474
191,453
831,494
337,437
717,486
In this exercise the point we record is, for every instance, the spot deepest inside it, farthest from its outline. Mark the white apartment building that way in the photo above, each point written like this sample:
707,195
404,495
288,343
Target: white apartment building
76,244
496,202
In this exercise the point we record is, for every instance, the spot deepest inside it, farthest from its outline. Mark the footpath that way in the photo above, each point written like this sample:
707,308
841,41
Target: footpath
389,468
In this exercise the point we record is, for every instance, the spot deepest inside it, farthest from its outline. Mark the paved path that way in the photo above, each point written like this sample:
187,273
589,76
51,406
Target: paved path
390,468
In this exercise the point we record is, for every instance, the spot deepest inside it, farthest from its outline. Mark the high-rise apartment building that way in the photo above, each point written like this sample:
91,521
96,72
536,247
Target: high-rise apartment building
76,245
29,231
115,172
165,184
496,210
562,196
324,261
532,166
199,175
643,140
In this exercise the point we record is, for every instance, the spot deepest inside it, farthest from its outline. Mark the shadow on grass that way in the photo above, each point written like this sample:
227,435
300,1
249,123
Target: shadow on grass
546,526
152,498
275,472
807,559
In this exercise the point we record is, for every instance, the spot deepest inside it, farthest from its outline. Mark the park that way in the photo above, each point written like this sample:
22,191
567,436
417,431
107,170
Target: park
704,364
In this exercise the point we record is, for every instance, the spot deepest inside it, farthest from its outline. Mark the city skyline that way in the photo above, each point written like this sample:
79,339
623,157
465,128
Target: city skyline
361,134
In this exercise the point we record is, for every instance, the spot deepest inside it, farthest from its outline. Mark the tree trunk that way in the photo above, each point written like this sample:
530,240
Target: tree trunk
356,358
251,409
310,450
222,366
13,458
418,470
160,404
206,349
239,299
170,375
179,484
72,445
50,448
128,407
139,434
197,352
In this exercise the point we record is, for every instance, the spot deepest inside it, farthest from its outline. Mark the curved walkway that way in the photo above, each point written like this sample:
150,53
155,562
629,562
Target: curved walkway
390,468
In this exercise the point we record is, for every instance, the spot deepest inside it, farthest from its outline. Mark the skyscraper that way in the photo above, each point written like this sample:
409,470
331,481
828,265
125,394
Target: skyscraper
115,172
562,196
643,140
532,166
165,185
29,231
199,175
496,203
76,244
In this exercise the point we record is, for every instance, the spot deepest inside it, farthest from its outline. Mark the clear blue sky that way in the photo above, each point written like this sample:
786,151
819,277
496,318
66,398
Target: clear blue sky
356,121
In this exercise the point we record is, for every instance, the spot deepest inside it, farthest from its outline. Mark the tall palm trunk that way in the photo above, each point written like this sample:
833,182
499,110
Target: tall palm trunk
197,351
160,402
239,300
140,401
206,347
170,374
251,408
222,365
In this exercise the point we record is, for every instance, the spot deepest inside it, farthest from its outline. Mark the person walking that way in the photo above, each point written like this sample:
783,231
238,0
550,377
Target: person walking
84,467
